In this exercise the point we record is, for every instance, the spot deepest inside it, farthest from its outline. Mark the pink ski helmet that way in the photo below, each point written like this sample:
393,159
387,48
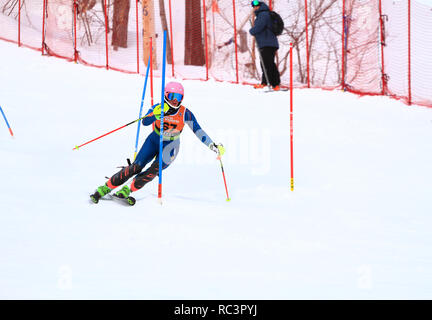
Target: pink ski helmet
174,90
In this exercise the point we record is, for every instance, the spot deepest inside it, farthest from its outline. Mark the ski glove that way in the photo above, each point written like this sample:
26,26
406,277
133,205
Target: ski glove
157,110
218,148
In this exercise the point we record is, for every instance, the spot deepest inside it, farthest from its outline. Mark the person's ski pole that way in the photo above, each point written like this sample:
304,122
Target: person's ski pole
141,107
77,147
223,174
7,123
264,69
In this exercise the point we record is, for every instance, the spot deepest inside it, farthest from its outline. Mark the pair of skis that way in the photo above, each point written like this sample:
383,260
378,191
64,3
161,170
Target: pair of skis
128,200
268,89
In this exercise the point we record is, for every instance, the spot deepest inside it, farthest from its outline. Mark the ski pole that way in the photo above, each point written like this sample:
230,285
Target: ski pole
264,68
7,123
141,107
77,147
223,174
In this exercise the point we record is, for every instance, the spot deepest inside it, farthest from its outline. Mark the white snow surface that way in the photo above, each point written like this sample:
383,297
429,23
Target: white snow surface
357,226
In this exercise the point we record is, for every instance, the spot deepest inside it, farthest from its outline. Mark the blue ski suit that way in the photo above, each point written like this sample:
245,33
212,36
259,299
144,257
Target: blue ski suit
174,121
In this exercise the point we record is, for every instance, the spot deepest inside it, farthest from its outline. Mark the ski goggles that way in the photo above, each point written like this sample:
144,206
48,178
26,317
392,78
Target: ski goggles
255,3
177,96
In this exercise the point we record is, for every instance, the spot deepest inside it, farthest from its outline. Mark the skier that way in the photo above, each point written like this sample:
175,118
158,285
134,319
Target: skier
175,117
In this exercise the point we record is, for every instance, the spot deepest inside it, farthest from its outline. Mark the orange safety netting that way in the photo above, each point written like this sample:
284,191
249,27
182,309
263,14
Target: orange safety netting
366,47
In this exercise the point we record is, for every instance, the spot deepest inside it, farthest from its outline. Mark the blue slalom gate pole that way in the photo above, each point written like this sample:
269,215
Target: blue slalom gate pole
140,112
162,118
7,123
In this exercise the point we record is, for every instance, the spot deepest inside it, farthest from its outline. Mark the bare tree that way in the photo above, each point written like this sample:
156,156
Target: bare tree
84,5
10,6
317,25
165,27
120,23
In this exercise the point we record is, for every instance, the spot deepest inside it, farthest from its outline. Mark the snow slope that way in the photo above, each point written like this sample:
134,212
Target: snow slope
357,225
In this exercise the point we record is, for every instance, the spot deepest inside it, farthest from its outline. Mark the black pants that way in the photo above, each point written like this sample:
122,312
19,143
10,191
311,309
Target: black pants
268,59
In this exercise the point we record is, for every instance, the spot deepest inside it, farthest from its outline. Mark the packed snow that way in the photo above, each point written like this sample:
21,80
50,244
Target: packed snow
357,225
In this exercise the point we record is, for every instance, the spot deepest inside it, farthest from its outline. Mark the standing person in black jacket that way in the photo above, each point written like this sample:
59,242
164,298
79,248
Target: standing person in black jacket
267,45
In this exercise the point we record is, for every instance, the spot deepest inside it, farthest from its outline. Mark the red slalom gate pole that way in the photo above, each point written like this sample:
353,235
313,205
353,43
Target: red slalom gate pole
409,53
291,120
307,44
77,147
151,70
75,6
171,33
205,35
19,23
137,34
106,33
235,41
343,45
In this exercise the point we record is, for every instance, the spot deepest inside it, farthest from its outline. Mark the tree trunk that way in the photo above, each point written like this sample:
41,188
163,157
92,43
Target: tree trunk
120,23
149,32
194,43
165,27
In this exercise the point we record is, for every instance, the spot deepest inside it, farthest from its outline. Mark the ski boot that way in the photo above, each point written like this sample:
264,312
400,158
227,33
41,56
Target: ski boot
100,192
123,194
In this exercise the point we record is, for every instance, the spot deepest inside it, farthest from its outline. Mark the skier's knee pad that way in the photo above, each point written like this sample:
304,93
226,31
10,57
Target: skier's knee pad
124,175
